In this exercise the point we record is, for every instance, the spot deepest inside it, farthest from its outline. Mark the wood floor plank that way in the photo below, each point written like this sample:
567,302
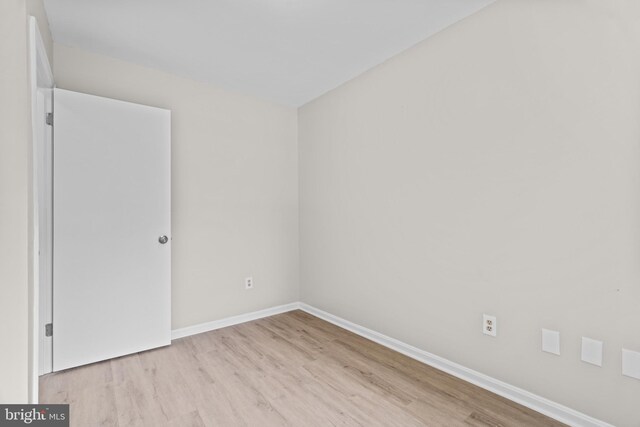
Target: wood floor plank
291,369
93,406
439,387
191,419
136,394
370,407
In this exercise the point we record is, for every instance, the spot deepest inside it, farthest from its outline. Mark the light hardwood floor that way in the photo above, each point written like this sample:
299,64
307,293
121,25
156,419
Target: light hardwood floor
292,369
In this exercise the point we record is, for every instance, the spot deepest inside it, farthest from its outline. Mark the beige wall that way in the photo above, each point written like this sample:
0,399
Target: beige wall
490,169
14,163
235,203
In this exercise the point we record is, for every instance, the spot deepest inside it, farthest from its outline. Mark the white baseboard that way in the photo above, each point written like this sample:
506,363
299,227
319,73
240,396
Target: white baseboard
234,320
537,403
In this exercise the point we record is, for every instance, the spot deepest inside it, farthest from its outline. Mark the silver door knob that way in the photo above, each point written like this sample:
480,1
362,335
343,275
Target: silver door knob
163,239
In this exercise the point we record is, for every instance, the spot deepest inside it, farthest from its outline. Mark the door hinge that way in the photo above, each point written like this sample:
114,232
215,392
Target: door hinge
50,119
48,330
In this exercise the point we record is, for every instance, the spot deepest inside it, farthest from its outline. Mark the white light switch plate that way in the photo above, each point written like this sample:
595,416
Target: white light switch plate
551,341
592,351
631,364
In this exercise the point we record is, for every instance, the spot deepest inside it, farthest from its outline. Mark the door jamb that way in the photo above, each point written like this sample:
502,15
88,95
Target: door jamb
41,79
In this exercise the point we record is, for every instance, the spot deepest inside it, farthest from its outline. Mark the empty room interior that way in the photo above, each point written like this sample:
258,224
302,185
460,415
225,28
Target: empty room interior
320,213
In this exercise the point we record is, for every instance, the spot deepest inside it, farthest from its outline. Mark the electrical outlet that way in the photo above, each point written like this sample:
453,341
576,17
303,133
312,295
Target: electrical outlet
489,325
248,283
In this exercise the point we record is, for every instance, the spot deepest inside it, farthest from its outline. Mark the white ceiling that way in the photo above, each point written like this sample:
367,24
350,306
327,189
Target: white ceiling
287,51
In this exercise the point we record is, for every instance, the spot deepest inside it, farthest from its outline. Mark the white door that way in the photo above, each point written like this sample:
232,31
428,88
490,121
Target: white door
111,215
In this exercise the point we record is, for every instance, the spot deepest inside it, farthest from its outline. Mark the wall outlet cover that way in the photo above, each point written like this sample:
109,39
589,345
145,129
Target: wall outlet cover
489,325
248,283
592,351
631,364
551,341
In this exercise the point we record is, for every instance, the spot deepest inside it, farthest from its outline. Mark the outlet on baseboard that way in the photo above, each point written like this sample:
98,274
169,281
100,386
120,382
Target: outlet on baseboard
248,283
489,325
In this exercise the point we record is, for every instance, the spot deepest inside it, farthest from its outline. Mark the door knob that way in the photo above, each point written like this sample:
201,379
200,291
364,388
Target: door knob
163,239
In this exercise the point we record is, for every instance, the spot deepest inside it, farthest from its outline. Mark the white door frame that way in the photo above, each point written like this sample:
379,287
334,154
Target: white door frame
42,83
